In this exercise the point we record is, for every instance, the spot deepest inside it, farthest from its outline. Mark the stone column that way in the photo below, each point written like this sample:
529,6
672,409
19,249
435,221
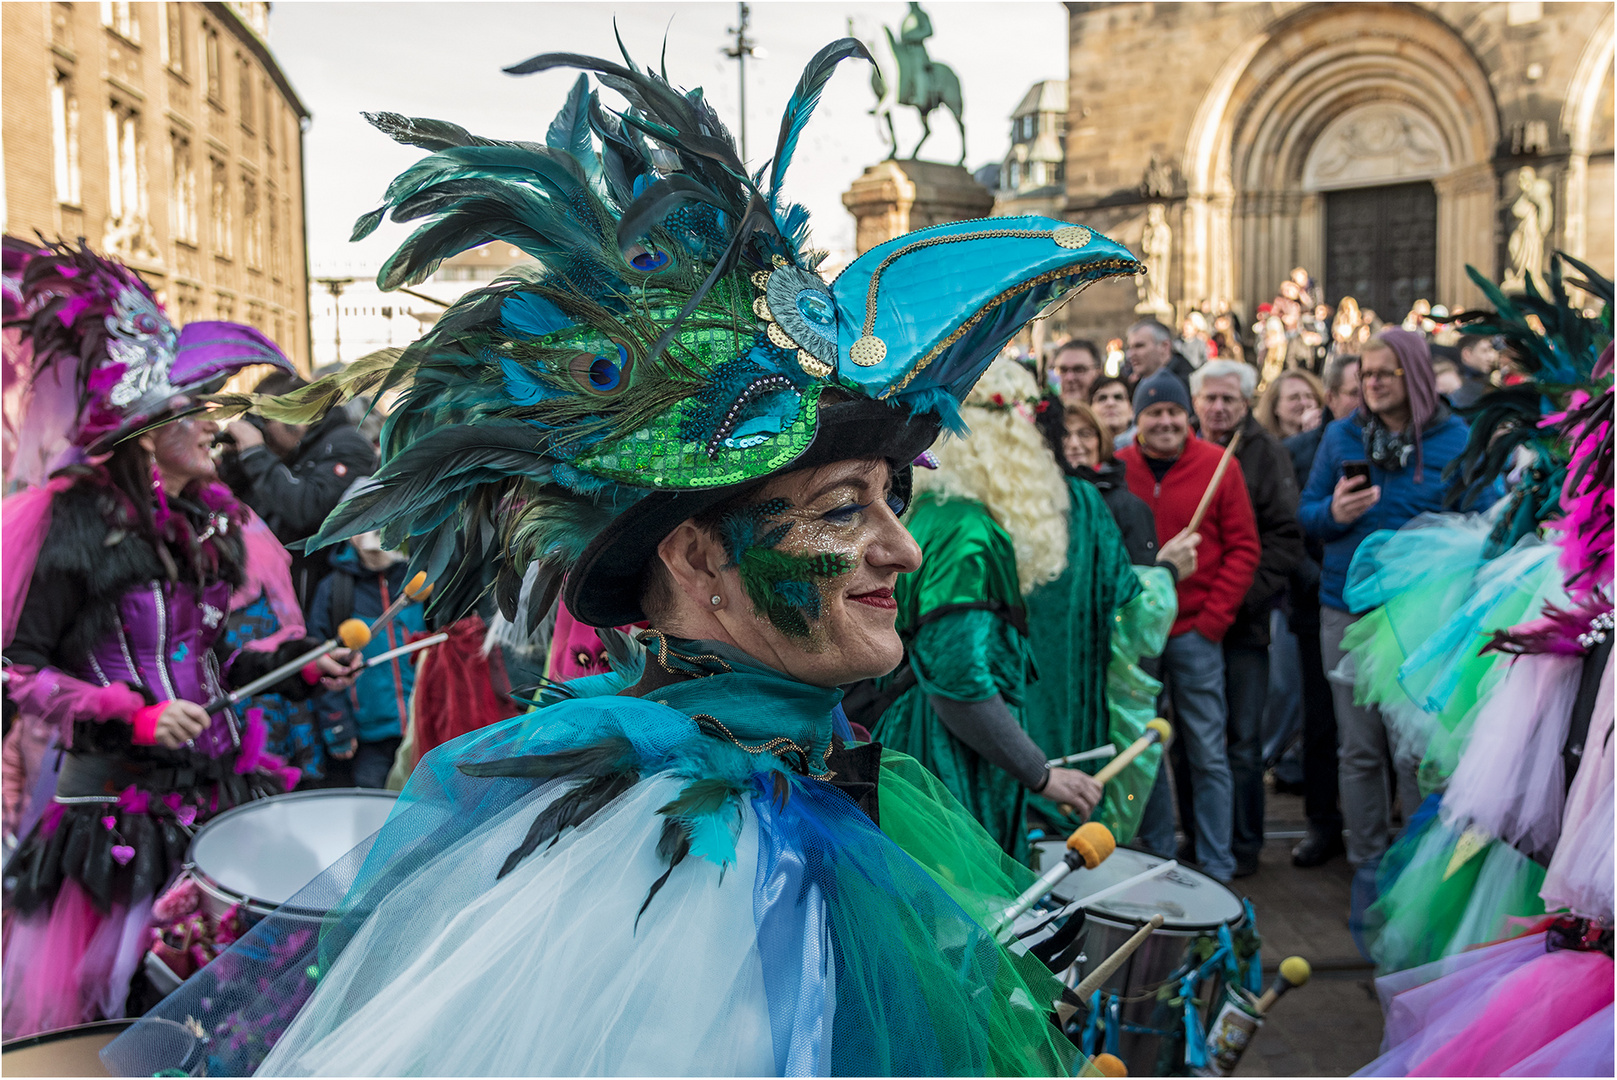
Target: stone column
1467,232
896,197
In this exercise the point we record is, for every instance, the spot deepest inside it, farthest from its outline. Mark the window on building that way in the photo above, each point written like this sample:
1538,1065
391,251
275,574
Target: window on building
272,209
268,99
174,36
1016,175
216,78
252,226
120,17
1029,125
183,192
244,68
126,182
65,139
219,208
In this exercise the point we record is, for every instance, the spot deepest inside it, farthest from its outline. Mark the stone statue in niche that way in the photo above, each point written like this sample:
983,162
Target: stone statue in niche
1158,180
1534,213
1156,245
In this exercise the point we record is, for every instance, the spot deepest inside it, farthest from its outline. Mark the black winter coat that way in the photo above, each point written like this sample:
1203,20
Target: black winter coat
294,497
1271,483
1134,518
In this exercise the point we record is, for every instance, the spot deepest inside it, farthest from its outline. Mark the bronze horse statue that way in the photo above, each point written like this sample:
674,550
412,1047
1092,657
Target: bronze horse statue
922,83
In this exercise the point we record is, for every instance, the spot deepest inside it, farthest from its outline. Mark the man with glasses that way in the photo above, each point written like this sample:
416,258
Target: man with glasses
1077,366
1375,469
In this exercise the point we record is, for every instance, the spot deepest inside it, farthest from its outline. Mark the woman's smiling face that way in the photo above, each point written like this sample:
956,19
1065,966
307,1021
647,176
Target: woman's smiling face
809,572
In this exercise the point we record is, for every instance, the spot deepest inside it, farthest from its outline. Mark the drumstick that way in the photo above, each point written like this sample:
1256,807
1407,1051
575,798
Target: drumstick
1087,755
1088,847
416,589
405,650
1104,970
1294,972
352,634
1218,474
1157,731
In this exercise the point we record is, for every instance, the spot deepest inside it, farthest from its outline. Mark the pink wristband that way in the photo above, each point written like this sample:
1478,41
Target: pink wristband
311,673
145,723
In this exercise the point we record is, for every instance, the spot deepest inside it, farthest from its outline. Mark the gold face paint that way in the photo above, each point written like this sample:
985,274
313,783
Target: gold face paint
792,558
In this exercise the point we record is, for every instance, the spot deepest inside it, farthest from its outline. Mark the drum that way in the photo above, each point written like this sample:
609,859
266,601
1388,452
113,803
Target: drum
261,853
76,1051
1192,905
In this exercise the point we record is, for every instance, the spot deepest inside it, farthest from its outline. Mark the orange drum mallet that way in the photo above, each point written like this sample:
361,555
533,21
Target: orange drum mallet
1157,731
1087,848
352,634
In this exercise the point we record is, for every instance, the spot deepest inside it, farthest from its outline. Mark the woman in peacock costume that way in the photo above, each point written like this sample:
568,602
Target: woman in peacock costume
1492,729
1534,777
668,869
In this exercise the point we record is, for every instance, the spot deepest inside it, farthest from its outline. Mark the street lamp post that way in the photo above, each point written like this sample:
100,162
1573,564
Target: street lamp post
743,48
335,286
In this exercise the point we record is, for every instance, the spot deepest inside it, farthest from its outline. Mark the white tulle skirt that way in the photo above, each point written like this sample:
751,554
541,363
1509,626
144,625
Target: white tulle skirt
458,975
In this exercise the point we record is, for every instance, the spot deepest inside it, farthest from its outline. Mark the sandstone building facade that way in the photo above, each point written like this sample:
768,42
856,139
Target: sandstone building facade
1384,146
166,135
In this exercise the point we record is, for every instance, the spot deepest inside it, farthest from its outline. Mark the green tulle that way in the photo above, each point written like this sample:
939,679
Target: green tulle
1433,705
1139,630
1422,916
930,825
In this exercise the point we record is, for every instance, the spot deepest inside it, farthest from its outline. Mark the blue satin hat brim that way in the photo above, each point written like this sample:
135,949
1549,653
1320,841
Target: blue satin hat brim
947,298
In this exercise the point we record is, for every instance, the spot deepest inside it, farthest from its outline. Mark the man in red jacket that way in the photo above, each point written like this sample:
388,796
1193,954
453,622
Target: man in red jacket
1170,469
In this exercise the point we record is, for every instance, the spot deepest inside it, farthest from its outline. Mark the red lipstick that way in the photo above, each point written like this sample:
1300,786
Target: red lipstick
876,598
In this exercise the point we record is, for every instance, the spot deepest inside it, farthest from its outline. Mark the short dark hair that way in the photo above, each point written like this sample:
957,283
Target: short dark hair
1468,341
1336,372
1109,380
1085,344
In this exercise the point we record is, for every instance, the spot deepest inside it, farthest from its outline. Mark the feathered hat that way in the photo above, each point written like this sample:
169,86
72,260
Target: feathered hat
674,343
95,358
1557,347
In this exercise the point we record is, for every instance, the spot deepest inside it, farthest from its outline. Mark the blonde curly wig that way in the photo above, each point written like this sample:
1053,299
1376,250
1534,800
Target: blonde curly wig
1006,465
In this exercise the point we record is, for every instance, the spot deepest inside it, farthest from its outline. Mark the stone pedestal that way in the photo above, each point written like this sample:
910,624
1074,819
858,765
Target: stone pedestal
896,197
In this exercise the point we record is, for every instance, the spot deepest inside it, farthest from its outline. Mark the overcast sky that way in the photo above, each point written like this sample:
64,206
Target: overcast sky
443,60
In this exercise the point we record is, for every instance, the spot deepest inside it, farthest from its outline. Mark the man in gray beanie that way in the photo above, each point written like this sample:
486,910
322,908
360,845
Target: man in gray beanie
1169,468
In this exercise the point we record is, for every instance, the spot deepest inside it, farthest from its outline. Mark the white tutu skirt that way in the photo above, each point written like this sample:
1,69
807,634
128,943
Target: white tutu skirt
1581,872
456,974
1510,779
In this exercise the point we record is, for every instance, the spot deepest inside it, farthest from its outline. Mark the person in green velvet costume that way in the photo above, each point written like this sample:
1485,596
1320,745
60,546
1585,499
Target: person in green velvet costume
1088,630
991,521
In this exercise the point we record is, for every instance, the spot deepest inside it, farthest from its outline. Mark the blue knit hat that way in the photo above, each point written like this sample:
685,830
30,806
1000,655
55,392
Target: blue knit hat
1163,386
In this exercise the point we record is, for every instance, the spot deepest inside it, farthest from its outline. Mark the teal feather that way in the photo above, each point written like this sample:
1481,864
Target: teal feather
801,106
570,131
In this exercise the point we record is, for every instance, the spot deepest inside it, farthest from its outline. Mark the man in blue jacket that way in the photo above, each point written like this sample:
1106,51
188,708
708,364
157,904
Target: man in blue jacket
1375,469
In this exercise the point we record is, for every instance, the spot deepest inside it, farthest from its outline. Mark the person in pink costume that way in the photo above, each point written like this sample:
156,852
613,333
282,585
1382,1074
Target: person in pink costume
122,554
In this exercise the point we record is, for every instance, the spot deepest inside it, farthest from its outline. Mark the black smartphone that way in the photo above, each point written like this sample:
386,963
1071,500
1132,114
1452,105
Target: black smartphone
1360,469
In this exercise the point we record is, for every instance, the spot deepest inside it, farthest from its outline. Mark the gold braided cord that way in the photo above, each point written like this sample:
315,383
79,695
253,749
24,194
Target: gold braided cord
960,331
709,723
662,652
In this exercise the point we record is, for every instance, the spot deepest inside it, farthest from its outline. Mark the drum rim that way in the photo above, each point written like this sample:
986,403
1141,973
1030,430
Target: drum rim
1171,926
259,906
42,1038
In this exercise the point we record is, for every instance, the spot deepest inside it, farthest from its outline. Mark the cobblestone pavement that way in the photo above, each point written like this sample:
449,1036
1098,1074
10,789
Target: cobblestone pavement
1332,1026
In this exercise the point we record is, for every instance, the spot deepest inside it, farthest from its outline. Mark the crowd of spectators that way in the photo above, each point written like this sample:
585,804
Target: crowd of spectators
1316,468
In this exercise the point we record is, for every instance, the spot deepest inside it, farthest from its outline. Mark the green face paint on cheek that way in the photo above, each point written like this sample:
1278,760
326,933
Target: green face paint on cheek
789,588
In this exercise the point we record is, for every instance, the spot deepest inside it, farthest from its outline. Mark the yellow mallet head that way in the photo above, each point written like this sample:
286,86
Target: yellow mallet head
415,585
354,634
1163,729
1109,1065
1295,970
1093,842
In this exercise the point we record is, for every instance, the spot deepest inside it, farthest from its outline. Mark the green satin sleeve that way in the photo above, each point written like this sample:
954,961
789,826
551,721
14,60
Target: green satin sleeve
1139,630
970,655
